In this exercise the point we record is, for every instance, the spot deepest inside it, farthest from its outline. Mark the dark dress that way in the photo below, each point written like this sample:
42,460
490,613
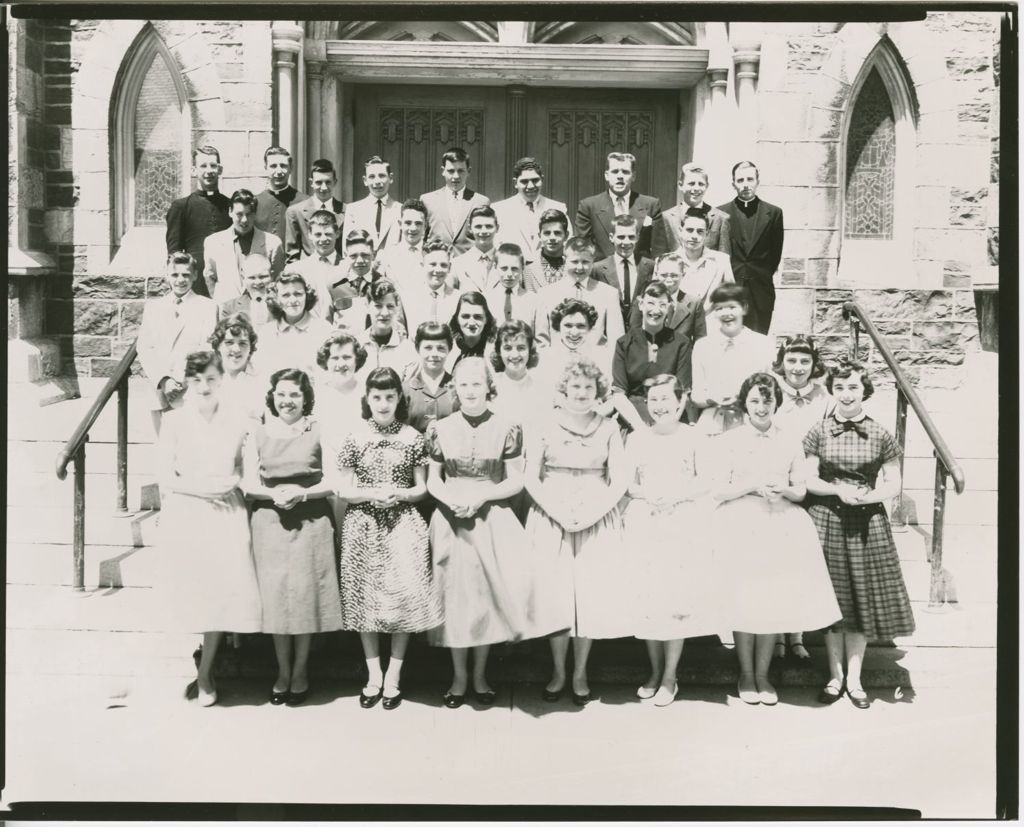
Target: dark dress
294,548
857,540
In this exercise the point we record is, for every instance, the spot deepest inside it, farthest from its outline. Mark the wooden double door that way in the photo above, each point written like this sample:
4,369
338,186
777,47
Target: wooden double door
570,131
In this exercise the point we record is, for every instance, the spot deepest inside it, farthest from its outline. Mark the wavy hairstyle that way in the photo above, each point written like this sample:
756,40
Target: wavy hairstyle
385,379
237,324
799,344
300,378
509,330
199,360
768,386
845,369
588,369
571,306
340,339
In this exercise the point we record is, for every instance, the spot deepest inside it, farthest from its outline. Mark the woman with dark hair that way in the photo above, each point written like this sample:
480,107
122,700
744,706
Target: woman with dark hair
292,336
853,468
292,531
428,386
513,360
572,325
472,327
234,339
204,527
386,583
385,340
769,567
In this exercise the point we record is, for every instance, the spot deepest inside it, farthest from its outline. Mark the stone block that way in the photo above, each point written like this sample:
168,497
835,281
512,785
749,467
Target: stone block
245,115
829,92
963,305
956,274
110,287
783,115
936,96
811,244
156,286
94,190
792,279
931,206
91,226
807,54
59,225
208,114
130,318
226,52
948,336
928,273
963,244
85,346
793,201
825,124
95,317
812,162
89,148
992,246
822,207
234,151
822,271
257,48
201,82
993,170
771,162
938,126
968,208
962,165
230,71
900,305
958,23
828,319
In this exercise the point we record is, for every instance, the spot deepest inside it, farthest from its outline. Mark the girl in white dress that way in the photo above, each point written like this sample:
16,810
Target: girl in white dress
234,339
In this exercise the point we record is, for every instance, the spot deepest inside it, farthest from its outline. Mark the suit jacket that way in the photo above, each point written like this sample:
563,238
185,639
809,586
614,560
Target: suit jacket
221,270
758,258
190,220
452,230
686,317
270,211
296,230
165,339
643,270
243,304
362,215
517,225
596,216
668,234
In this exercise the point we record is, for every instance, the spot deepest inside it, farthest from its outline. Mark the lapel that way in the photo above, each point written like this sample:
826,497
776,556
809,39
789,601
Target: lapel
175,326
760,224
680,313
606,213
463,207
259,243
605,271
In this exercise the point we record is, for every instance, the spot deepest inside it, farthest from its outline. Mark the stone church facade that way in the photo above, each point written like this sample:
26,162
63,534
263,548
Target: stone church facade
879,141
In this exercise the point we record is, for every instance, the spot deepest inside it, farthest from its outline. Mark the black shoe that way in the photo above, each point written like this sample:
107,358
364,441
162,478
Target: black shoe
278,698
859,698
453,701
580,700
552,696
393,701
296,698
192,691
826,696
486,698
369,701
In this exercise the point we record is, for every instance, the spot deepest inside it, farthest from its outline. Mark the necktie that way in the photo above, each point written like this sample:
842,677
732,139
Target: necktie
579,290
433,305
508,304
730,344
376,221
177,306
324,260
625,281
620,206
530,206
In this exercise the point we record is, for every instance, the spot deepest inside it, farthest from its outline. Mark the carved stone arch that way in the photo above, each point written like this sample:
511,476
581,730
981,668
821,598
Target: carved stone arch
425,30
631,33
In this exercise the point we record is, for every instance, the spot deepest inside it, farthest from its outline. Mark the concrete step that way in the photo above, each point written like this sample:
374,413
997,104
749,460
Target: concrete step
57,422
43,488
55,525
100,457
51,564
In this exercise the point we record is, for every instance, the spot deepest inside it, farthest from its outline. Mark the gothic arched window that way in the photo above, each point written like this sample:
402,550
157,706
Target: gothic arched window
871,163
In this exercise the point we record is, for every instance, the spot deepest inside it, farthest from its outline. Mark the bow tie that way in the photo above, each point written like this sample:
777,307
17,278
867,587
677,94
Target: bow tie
841,427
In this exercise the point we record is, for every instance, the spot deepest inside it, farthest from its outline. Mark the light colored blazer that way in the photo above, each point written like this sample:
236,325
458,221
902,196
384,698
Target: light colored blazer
296,226
668,235
362,214
452,230
221,265
517,225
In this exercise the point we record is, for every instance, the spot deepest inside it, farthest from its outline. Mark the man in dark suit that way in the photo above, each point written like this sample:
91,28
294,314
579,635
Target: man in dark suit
274,201
668,234
322,179
596,214
756,229
201,213
448,208
625,270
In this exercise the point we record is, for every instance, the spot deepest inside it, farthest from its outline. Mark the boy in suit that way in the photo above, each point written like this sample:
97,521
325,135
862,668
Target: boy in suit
174,325
473,269
596,213
274,201
253,301
226,251
448,208
322,179
201,213
403,262
550,264
668,234
509,299
625,270
326,265
686,313
519,215
378,214
703,269
432,299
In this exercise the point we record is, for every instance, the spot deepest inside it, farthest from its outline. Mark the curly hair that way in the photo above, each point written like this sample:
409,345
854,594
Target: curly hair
291,277
476,299
198,361
509,330
237,324
477,362
799,344
340,339
586,368
300,378
385,379
767,384
845,369
571,306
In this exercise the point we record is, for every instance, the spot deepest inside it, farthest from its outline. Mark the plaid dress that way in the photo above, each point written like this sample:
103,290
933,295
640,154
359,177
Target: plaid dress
857,541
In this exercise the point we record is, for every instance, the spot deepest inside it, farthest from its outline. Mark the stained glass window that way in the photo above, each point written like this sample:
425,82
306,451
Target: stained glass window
157,150
871,163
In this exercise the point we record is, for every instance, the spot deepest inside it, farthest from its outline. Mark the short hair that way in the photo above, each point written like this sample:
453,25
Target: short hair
767,384
205,149
340,339
509,330
483,211
456,155
742,164
476,362
385,379
673,258
254,261
554,216
376,159
324,218
693,212
380,290
587,368
523,164
300,378
665,379
199,360
581,244
435,245
322,165
656,289
510,249
622,157
729,292
181,257
571,306
799,344
275,150
845,369
358,237
626,220
433,332
236,324
476,299
692,169
414,204
291,276
243,197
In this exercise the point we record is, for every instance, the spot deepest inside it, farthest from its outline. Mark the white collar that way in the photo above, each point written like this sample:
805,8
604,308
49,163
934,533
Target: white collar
858,418
626,196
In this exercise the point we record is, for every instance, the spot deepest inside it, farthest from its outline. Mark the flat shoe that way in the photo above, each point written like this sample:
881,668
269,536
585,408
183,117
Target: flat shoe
393,701
453,701
748,696
369,701
830,693
552,696
580,700
645,693
486,698
192,691
799,651
296,698
859,698
768,697
664,697
207,698
278,698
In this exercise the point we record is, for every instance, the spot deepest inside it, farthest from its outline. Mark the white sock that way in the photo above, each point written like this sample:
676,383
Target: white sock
394,675
375,678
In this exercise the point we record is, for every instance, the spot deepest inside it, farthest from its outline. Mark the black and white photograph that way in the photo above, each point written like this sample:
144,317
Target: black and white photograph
467,405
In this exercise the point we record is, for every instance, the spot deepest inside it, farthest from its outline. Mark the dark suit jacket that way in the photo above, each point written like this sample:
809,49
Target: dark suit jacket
686,318
668,231
296,230
605,271
754,262
632,366
190,220
596,216
270,211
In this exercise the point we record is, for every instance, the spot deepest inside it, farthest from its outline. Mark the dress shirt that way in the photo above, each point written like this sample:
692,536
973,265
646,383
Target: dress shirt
701,277
524,304
721,364
421,305
620,202
284,345
603,297
397,353
402,264
473,270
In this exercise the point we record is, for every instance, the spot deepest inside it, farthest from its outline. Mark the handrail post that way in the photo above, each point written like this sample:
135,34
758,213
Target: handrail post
122,445
78,577
854,336
941,589
899,514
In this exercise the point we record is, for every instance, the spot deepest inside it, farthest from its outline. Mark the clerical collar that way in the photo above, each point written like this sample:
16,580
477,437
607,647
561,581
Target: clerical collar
210,194
749,205
281,191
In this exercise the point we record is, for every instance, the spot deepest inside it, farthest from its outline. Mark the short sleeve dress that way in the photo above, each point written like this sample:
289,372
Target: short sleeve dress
386,583
857,539
589,565
294,548
492,581
801,409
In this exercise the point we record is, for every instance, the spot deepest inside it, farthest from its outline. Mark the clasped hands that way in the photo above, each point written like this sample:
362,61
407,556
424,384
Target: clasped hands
851,493
287,496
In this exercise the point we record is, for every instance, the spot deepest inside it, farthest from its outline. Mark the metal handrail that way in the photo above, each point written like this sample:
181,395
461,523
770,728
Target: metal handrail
74,451
942,589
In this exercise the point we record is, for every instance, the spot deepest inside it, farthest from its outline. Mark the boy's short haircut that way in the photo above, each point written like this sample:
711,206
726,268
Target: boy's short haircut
524,164
580,244
376,159
322,165
485,211
324,218
359,237
181,257
256,263
509,249
623,157
206,149
730,293
554,217
243,197
275,150
455,154
415,204
626,220
693,169
693,212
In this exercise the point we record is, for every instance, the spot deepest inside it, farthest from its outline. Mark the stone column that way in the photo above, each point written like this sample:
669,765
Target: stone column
515,125
314,106
287,42
747,60
330,122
